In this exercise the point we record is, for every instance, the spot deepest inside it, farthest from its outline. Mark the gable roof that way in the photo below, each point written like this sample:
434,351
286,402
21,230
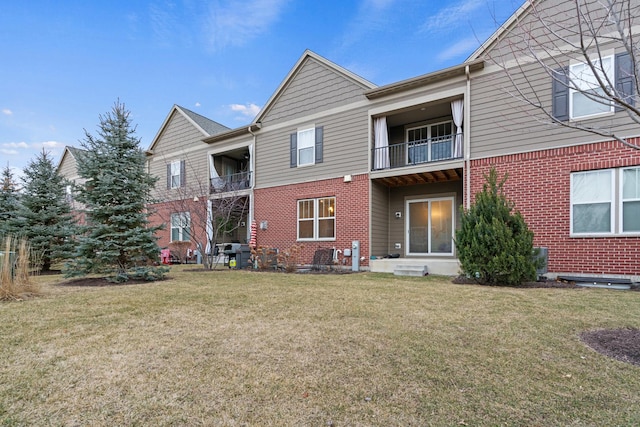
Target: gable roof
501,30
204,125
365,84
68,151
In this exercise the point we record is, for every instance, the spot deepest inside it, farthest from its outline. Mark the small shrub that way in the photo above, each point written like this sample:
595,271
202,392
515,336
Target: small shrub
264,258
494,244
148,273
289,258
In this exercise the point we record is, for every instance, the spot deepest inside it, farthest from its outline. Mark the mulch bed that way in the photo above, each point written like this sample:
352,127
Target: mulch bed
101,281
620,344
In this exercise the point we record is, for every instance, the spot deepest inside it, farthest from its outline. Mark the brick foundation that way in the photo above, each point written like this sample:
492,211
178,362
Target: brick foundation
539,185
278,206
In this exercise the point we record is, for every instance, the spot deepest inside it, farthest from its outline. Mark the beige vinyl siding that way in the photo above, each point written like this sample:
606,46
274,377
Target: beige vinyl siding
315,88
379,220
397,203
501,124
345,150
180,140
68,168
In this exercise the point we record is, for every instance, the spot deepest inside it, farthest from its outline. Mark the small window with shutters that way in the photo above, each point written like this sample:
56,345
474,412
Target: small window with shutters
306,146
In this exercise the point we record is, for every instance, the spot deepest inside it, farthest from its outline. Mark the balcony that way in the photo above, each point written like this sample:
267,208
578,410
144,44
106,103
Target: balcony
230,183
417,152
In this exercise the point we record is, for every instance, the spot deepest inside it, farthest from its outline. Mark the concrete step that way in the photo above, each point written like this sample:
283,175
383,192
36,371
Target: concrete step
410,270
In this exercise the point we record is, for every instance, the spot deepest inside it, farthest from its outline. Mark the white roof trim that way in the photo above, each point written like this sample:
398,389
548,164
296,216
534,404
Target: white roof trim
310,54
500,31
166,122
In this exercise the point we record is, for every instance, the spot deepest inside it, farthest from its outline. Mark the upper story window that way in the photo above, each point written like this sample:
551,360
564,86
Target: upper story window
306,146
176,174
583,101
429,143
575,89
317,219
596,206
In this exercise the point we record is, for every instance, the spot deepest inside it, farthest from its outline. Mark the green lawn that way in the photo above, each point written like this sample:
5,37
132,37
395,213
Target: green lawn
241,348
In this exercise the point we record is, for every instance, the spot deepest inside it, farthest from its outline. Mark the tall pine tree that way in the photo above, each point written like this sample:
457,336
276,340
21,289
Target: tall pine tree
117,237
9,201
44,217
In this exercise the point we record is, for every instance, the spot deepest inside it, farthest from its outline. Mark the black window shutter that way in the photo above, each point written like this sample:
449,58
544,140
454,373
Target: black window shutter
560,94
319,138
293,140
183,174
169,176
625,78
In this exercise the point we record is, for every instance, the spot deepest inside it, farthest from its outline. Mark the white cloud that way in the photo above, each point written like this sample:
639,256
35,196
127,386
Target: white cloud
452,16
16,145
9,152
462,47
197,104
232,23
7,112
51,144
249,110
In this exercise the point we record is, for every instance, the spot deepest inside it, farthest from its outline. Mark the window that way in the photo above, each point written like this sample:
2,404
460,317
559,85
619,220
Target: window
630,200
306,147
584,80
176,174
180,226
430,226
430,143
570,103
595,204
591,202
317,219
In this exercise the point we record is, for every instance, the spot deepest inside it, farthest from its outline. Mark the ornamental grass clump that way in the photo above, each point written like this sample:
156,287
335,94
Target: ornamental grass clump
15,266
494,244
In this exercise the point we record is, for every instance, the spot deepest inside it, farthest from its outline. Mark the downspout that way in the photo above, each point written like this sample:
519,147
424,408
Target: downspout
467,138
253,177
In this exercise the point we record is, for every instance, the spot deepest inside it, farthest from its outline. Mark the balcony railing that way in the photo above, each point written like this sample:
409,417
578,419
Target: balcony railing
228,183
417,152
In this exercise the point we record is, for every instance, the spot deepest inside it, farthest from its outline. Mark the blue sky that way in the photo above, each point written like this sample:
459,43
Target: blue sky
63,62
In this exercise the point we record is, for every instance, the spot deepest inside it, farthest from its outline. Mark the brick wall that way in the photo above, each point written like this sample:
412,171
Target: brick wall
161,214
278,206
539,185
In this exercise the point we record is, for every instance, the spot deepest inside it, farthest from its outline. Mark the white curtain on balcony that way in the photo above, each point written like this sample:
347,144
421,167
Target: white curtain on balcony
456,112
381,156
216,182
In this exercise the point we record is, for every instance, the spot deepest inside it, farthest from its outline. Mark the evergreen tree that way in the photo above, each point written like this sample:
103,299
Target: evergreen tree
9,201
45,215
117,238
494,244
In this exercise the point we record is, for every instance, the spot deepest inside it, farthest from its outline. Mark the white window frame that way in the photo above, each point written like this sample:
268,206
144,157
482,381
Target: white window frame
316,220
587,202
176,176
183,227
429,137
623,200
429,240
576,81
302,144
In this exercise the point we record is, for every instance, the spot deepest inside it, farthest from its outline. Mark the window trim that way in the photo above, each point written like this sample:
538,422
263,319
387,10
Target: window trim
311,129
611,201
181,228
572,90
407,245
316,220
176,164
622,200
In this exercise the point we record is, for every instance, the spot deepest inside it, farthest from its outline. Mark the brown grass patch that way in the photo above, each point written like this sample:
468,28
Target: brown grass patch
239,348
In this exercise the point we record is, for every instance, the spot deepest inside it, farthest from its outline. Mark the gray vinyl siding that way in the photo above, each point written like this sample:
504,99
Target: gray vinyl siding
180,140
398,197
68,167
379,220
501,124
344,150
315,88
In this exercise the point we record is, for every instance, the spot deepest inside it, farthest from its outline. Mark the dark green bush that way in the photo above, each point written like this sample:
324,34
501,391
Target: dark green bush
494,244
